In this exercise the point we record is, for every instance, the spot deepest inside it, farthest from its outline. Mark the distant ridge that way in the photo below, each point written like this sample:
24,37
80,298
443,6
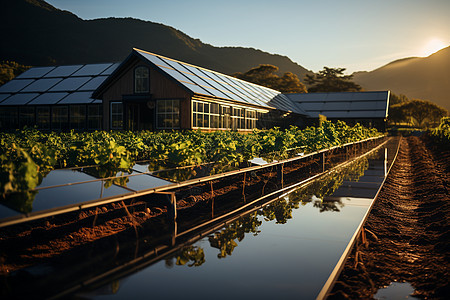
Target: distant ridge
36,33
425,78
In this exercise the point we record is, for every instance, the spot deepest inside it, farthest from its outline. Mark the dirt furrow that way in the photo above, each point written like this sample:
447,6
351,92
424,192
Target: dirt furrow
407,230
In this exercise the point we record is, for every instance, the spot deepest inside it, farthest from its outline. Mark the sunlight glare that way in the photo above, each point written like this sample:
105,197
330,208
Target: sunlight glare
432,46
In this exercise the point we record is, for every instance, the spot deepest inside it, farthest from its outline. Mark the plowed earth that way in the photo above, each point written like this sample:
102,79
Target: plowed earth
407,235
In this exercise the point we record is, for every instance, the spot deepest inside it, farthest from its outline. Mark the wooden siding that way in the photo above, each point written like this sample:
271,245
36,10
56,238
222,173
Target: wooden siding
161,87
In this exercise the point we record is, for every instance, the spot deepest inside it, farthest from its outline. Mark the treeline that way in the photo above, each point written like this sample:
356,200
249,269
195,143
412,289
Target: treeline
414,112
9,70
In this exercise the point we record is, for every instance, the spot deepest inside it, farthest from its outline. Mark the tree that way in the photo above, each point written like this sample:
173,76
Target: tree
265,75
416,112
331,80
9,70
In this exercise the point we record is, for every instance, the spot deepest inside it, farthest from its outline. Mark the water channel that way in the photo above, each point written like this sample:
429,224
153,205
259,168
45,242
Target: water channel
286,249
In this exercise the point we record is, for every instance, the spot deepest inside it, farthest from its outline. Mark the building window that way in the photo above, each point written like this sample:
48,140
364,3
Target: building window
116,115
205,115
43,117
60,117
26,116
214,115
94,118
168,114
225,117
77,117
8,118
141,80
238,118
250,118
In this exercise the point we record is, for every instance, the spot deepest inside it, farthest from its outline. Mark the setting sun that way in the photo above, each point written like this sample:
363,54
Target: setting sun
432,46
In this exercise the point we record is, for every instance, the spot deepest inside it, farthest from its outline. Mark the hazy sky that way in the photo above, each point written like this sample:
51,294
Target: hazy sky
359,35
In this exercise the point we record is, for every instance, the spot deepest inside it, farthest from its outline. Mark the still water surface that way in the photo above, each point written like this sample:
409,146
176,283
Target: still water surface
286,249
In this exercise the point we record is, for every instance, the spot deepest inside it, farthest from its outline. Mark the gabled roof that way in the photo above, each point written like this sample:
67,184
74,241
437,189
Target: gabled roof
56,85
204,82
344,105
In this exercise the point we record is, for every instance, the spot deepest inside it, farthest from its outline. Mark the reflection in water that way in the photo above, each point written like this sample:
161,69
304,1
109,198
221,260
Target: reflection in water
280,211
224,240
192,256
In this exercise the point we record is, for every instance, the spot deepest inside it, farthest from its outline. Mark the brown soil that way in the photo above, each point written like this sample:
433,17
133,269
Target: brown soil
407,232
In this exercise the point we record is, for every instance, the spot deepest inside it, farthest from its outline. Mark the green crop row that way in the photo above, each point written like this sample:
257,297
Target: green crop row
441,134
30,154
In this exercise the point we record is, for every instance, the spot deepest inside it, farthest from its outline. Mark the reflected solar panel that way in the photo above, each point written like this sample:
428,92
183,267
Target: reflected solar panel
4,96
48,98
78,98
19,99
63,71
37,72
42,85
111,69
15,85
70,84
93,84
92,70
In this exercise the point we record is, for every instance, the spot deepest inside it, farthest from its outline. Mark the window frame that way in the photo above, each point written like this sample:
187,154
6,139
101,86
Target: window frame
144,80
113,114
174,113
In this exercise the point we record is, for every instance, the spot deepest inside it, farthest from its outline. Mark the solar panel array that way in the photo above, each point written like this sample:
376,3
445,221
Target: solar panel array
56,85
344,105
210,83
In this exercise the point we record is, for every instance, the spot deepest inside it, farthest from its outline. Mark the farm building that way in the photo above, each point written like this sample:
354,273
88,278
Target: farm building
367,108
152,92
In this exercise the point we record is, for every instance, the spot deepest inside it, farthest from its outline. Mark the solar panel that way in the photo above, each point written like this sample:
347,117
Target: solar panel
63,71
48,98
111,69
4,96
15,85
70,84
249,95
42,85
37,72
93,84
19,99
92,70
77,98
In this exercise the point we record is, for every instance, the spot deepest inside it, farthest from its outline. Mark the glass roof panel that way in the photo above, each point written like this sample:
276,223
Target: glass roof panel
37,72
15,85
19,99
156,60
110,69
92,69
48,98
237,86
77,98
93,84
70,84
63,71
42,85
185,81
4,96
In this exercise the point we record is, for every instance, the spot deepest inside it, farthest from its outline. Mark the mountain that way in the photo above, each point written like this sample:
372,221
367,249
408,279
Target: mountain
425,78
36,33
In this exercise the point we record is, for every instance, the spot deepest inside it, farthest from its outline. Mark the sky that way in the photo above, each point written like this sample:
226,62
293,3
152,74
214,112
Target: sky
359,35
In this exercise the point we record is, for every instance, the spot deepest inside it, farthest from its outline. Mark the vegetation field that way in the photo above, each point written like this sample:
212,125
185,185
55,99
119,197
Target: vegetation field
26,156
